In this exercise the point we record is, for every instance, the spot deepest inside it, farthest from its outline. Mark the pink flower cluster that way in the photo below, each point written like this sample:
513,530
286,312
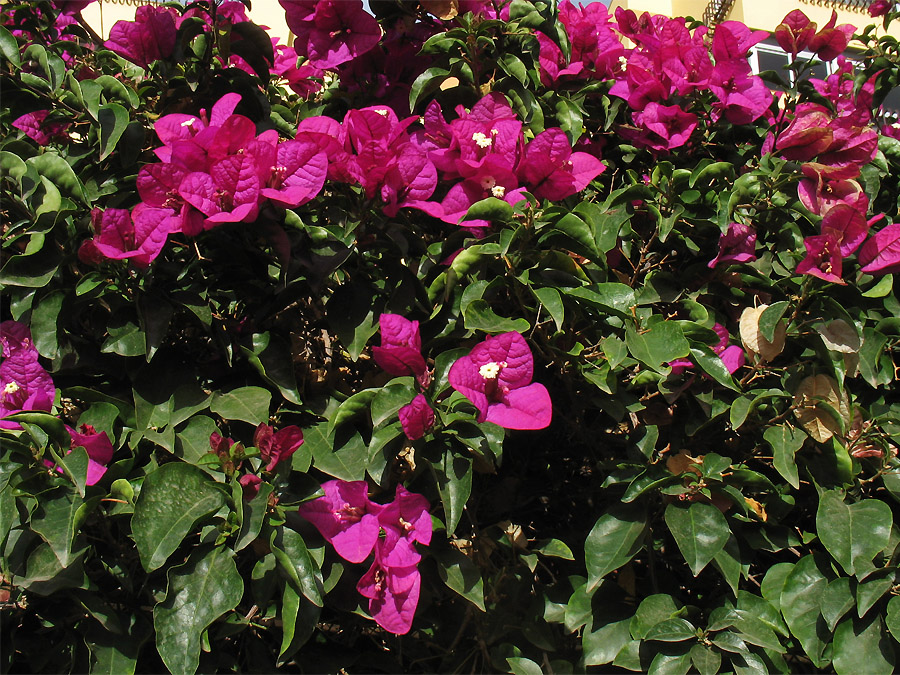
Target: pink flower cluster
496,376
355,526
484,154
667,63
25,384
833,143
274,447
400,354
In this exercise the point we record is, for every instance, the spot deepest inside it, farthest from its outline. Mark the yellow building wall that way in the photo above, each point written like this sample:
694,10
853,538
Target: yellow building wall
103,14
758,14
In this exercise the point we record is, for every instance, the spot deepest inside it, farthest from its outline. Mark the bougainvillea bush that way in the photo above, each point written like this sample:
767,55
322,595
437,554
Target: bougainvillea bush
462,336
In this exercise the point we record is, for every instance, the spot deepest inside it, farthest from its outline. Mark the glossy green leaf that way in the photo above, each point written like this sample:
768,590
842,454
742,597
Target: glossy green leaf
661,343
113,120
454,482
298,622
862,645
479,316
173,499
199,592
707,661
248,404
254,513
800,605
552,302
700,531
614,540
519,665
491,208
785,441
58,520
56,169
837,599
461,575
853,533
601,646
295,561
9,47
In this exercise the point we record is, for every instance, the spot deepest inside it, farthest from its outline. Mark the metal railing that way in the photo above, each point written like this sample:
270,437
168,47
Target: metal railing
860,6
716,11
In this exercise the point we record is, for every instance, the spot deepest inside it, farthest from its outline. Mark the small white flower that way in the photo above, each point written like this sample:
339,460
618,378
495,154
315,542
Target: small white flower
498,191
481,140
490,371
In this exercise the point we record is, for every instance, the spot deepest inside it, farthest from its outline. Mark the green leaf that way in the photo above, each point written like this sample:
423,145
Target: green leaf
661,343
461,575
602,645
862,645
853,533
671,630
49,424
785,441
711,364
299,567
298,622
342,455
799,603
193,440
614,540
388,401
873,589
892,618
837,600
200,591
678,662
59,519
707,661
9,47
552,302
253,515
173,499
490,209
350,408
554,548
654,609
116,656
770,317
56,169
426,83
700,531
113,120
479,316
248,404
454,482
519,665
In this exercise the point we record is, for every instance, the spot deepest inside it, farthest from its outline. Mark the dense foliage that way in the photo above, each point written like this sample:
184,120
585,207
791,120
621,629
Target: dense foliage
475,336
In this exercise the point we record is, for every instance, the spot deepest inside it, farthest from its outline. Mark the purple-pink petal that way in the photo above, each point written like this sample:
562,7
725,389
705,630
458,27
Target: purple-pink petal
345,517
416,418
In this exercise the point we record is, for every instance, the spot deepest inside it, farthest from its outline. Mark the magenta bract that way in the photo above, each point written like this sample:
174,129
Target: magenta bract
416,417
38,129
99,450
277,446
400,352
331,32
24,384
881,254
496,377
393,594
346,518
823,258
150,37
737,245
139,235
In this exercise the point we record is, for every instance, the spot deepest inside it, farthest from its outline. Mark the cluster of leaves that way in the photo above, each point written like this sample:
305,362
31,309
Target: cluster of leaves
681,510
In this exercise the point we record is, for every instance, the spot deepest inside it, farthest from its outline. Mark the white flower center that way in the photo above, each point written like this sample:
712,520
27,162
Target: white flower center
189,123
488,182
490,371
498,191
10,388
481,140
382,112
